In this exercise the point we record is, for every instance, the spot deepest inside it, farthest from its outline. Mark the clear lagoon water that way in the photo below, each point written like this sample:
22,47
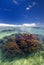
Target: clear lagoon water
34,59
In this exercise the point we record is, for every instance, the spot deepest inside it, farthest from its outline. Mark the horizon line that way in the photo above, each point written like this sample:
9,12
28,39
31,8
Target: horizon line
20,25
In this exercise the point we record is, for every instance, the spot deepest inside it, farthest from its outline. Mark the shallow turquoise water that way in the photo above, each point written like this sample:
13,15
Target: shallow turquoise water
33,30
34,59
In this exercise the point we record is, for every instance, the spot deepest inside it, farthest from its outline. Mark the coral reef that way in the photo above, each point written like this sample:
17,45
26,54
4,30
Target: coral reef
21,44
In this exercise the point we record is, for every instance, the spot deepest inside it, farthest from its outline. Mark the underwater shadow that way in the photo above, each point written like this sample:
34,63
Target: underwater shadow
10,58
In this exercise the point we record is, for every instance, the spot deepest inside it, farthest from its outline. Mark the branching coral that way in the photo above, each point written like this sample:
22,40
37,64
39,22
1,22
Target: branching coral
21,44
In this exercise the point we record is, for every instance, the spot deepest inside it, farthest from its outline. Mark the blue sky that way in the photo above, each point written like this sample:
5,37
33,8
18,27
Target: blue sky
22,11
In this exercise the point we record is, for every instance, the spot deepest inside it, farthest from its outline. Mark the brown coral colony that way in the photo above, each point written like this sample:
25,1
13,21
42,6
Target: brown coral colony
22,44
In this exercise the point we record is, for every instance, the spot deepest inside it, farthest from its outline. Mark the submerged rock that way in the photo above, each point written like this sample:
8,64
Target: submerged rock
21,44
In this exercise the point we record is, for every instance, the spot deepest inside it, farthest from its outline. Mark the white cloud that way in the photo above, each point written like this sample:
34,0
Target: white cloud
15,2
34,3
27,8
12,25
4,25
32,24
30,6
